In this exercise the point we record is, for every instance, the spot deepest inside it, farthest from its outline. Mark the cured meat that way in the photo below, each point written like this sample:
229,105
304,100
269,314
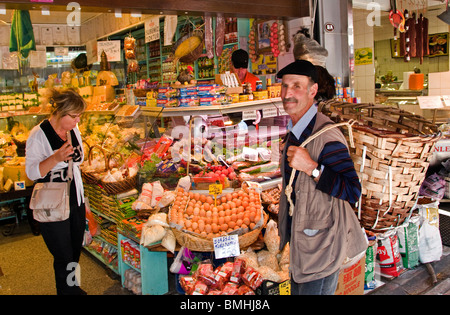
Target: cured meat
412,37
402,44
426,40
220,34
419,38
209,42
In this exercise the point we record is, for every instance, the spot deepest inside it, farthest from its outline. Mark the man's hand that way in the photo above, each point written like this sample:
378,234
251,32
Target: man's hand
300,160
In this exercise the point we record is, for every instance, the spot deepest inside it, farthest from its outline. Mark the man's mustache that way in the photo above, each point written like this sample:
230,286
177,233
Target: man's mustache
290,99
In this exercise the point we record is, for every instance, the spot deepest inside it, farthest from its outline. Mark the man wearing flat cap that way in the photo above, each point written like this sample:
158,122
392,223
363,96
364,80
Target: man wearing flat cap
322,229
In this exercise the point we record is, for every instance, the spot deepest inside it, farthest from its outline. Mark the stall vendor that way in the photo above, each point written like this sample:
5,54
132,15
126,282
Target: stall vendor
239,60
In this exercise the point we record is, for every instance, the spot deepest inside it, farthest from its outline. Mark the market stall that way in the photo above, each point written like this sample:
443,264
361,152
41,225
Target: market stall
181,170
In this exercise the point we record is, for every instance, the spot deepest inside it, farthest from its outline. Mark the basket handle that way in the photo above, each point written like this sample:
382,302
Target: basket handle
121,158
288,190
91,150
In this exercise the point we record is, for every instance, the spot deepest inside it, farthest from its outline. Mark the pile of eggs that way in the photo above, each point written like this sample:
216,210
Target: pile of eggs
200,214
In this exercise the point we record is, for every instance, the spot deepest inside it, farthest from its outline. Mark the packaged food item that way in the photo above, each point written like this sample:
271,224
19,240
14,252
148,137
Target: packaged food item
252,278
205,270
188,101
388,254
408,241
230,289
225,270
269,274
271,237
371,253
266,258
187,284
250,258
200,288
238,269
245,290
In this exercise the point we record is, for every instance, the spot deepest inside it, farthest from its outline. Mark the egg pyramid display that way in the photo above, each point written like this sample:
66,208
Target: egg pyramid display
238,211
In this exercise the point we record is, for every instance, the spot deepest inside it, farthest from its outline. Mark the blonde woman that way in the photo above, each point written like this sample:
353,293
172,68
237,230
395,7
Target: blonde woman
48,152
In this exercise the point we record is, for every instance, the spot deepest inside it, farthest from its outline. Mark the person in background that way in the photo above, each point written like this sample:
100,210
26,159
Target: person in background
47,154
322,228
239,63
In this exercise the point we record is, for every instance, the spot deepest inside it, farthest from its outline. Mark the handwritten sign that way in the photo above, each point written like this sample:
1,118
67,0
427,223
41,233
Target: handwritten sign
111,48
215,189
430,102
270,112
249,115
152,31
226,246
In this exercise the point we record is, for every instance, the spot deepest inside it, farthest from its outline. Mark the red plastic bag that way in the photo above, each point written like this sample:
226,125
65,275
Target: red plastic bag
92,223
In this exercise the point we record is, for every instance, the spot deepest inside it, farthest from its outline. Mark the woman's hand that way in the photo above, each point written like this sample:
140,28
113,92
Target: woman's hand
300,160
64,153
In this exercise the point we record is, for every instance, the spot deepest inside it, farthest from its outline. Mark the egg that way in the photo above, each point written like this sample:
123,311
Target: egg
215,228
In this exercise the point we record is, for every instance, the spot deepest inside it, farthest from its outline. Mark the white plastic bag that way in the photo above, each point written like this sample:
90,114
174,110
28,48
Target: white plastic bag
430,243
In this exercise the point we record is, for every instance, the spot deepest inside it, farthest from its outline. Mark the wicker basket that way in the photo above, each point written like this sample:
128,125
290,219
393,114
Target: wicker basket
93,177
391,156
201,244
117,187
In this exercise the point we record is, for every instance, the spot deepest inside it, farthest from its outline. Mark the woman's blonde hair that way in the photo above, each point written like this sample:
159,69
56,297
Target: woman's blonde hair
66,101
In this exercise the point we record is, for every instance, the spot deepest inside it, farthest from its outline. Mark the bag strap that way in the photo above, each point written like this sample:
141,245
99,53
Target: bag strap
70,168
47,129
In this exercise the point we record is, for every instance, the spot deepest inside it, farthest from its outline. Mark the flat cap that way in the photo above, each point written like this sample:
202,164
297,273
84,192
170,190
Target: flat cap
299,67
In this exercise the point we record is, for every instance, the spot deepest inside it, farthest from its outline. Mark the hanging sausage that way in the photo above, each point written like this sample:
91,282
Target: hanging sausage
220,34
419,38
209,42
426,40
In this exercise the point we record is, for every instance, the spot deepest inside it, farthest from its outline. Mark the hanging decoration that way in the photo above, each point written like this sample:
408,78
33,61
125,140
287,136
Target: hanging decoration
21,37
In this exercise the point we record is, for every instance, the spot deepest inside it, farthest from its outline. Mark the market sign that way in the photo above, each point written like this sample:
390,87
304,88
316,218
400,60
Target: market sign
430,102
226,246
111,48
152,31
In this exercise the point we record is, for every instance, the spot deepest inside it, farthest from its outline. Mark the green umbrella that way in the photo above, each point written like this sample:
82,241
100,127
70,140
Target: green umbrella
22,36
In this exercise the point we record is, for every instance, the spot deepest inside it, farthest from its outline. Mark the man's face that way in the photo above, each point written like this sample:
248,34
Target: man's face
297,94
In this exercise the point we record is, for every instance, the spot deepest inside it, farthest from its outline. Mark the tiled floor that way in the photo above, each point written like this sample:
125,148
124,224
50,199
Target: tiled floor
27,268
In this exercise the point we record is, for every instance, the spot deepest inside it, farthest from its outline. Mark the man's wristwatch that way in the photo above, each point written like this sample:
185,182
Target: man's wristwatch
316,172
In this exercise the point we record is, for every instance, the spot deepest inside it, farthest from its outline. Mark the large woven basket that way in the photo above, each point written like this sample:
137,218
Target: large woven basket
201,244
117,187
391,156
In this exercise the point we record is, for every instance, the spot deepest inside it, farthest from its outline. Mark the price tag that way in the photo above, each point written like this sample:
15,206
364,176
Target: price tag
226,246
429,102
282,112
249,115
270,112
215,189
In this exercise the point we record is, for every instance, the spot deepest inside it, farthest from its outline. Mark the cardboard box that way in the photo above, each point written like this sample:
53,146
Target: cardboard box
233,90
351,280
274,91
